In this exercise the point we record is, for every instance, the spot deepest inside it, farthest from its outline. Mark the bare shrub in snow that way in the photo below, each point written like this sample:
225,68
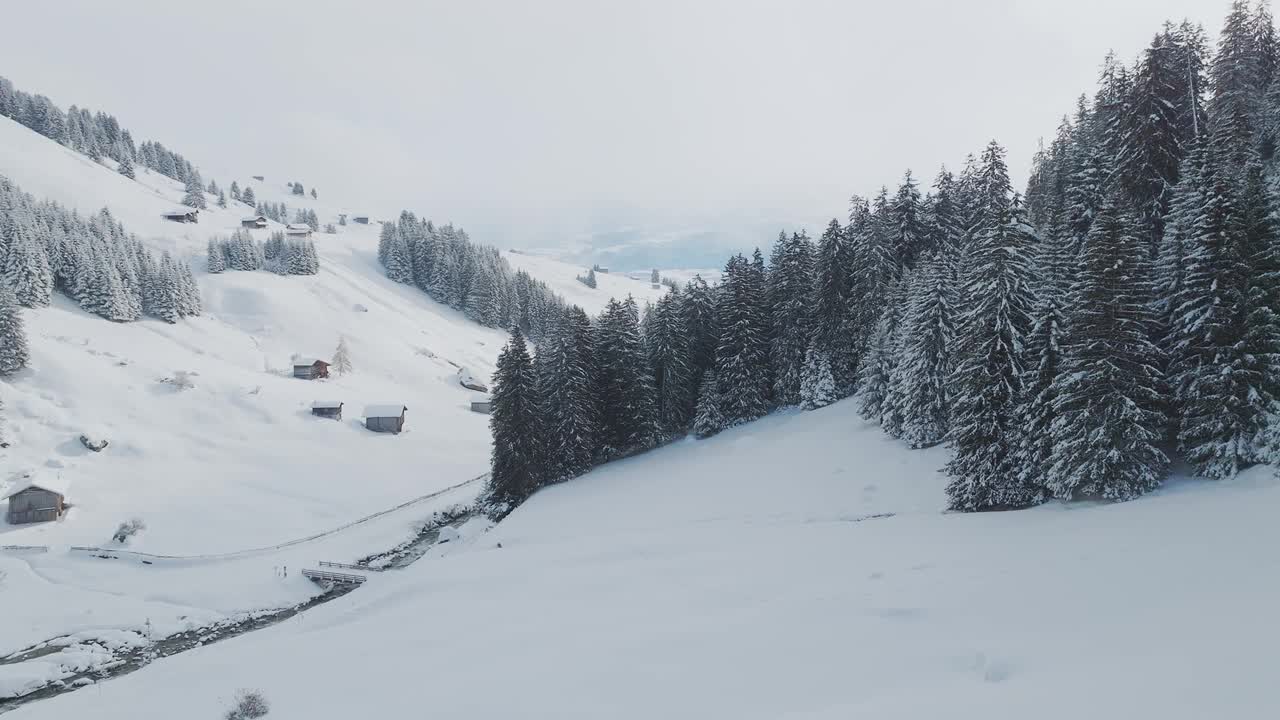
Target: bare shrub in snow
181,380
128,530
249,704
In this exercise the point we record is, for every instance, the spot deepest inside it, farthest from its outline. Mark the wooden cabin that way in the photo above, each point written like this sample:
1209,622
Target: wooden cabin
259,178
257,222
183,215
305,368
31,502
385,418
331,409
297,230
482,404
655,286
360,219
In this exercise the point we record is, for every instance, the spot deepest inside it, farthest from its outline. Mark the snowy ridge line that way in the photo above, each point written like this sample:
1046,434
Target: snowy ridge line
298,541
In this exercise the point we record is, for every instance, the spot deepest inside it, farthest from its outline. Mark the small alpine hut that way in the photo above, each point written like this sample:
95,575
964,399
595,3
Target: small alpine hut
183,215
360,219
331,409
387,418
481,404
297,230
256,222
308,368
31,501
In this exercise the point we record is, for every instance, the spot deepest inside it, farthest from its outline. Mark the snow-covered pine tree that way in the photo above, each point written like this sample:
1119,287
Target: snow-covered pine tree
235,190
1218,381
568,398
1107,403
654,277
817,384
248,198
397,259
742,360
516,420
708,419
790,289
26,266
908,223
873,371
194,197
667,342
987,381
831,306
342,357
14,353
125,168
217,259
699,315
1043,352
628,412
922,375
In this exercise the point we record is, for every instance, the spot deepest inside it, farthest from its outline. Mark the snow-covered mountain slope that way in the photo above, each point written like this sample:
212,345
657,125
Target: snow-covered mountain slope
237,461
799,567
562,277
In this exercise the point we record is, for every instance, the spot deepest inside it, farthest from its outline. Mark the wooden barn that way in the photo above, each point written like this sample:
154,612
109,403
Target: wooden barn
257,222
183,215
259,178
360,219
482,404
31,501
331,409
307,368
385,418
297,230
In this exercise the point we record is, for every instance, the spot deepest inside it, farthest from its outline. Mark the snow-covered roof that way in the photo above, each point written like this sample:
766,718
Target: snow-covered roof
181,212
384,410
54,483
254,218
481,397
326,404
297,227
307,361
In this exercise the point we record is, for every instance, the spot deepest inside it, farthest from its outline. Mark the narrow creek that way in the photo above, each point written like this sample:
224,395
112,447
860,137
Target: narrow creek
127,660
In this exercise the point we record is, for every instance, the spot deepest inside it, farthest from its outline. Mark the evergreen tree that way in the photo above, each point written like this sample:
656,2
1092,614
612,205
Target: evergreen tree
516,421
125,168
832,306
342,357
817,384
790,287
987,381
742,361
1218,380
14,354
628,416
709,420
568,398
667,342
248,198
1107,399
922,376
217,261
195,194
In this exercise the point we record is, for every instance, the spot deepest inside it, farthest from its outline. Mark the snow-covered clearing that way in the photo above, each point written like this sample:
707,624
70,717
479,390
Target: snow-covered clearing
799,567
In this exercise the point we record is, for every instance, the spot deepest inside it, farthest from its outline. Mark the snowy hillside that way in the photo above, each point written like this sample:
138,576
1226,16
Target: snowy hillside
800,567
237,462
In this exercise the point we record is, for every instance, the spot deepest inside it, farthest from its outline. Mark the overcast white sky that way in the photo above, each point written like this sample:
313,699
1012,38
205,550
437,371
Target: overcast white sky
536,120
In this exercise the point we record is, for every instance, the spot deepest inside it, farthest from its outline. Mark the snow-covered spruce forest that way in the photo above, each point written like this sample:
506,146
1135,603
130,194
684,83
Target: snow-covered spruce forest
1066,342
444,263
95,261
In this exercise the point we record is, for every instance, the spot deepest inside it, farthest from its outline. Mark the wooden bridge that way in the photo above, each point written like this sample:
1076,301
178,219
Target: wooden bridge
347,566
333,578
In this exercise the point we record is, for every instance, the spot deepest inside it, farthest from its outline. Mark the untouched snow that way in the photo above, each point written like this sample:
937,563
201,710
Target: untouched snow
799,567
563,280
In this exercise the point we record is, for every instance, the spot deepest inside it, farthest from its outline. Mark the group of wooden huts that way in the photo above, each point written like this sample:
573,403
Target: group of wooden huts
381,417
